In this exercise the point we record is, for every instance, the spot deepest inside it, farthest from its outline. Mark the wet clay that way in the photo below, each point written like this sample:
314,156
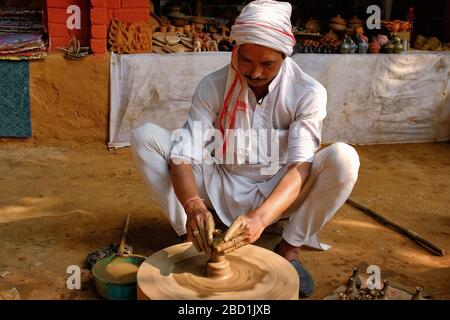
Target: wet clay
251,272
120,273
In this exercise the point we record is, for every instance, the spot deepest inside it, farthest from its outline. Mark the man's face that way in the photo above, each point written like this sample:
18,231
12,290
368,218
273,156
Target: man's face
259,64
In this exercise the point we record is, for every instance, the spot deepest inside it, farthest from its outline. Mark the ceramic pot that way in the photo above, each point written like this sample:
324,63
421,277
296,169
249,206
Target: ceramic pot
349,31
344,48
382,39
171,28
394,26
363,47
359,31
355,20
331,36
388,47
338,20
363,38
374,47
313,25
404,26
187,28
178,19
337,27
353,46
398,47
163,29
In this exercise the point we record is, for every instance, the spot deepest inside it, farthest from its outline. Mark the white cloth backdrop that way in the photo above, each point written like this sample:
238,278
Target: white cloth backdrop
371,98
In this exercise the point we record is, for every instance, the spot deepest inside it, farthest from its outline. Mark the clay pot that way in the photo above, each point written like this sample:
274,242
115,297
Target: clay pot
313,25
179,29
353,46
178,19
338,20
187,28
404,26
359,31
382,39
363,38
171,28
344,48
331,36
163,29
363,47
394,26
398,47
388,47
349,31
337,27
374,47
355,21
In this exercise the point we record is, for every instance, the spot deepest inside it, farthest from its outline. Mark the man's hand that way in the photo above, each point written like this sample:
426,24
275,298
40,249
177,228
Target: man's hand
245,229
200,226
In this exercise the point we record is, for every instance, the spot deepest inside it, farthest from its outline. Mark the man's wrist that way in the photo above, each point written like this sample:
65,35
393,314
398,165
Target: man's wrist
258,214
194,205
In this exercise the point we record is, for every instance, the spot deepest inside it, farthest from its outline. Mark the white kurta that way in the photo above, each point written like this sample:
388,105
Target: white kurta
294,106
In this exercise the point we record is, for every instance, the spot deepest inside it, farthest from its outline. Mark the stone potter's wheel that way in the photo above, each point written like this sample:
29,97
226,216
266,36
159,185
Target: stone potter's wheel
248,273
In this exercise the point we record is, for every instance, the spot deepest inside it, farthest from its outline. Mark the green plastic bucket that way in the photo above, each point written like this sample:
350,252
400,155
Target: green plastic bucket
115,291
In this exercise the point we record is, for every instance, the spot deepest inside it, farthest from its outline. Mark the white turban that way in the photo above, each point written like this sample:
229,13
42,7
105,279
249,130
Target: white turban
267,23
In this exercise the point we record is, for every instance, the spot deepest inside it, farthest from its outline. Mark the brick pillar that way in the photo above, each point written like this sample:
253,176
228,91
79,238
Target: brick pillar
99,26
56,17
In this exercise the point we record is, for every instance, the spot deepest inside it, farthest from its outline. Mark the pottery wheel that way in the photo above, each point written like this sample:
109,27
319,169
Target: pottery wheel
252,273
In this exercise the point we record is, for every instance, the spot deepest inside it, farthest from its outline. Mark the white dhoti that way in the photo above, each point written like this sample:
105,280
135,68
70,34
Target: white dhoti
333,174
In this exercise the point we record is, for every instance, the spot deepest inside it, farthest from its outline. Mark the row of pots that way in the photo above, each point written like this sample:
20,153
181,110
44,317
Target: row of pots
339,24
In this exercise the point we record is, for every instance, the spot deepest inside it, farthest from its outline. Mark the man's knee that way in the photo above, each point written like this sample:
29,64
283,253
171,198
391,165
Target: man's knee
143,135
346,159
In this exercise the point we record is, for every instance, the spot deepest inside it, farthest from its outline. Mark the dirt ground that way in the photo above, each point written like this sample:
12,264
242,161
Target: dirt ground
59,201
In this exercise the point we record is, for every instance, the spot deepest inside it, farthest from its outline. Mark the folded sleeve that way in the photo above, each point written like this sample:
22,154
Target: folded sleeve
188,140
305,132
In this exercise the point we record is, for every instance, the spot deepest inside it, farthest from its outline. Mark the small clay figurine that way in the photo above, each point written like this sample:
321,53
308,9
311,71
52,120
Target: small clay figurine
351,291
355,276
342,296
418,295
213,45
386,288
197,44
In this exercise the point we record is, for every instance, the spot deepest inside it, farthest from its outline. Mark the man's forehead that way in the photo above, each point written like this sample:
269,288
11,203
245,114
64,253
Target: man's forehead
258,51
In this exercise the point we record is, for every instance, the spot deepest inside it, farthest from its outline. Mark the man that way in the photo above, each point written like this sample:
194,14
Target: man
261,89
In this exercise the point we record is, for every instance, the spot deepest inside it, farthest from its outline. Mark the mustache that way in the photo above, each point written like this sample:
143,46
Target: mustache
251,78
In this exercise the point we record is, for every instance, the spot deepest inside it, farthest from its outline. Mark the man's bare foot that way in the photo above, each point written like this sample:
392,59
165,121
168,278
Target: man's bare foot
286,250
290,253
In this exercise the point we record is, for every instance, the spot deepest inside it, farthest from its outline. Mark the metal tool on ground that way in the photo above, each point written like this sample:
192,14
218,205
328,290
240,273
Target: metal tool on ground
410,234
115,275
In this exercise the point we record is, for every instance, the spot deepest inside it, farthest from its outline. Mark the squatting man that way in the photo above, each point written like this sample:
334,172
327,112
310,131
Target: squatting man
261,89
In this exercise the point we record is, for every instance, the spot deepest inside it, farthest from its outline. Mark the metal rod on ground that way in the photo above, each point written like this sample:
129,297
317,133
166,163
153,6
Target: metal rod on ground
410,234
